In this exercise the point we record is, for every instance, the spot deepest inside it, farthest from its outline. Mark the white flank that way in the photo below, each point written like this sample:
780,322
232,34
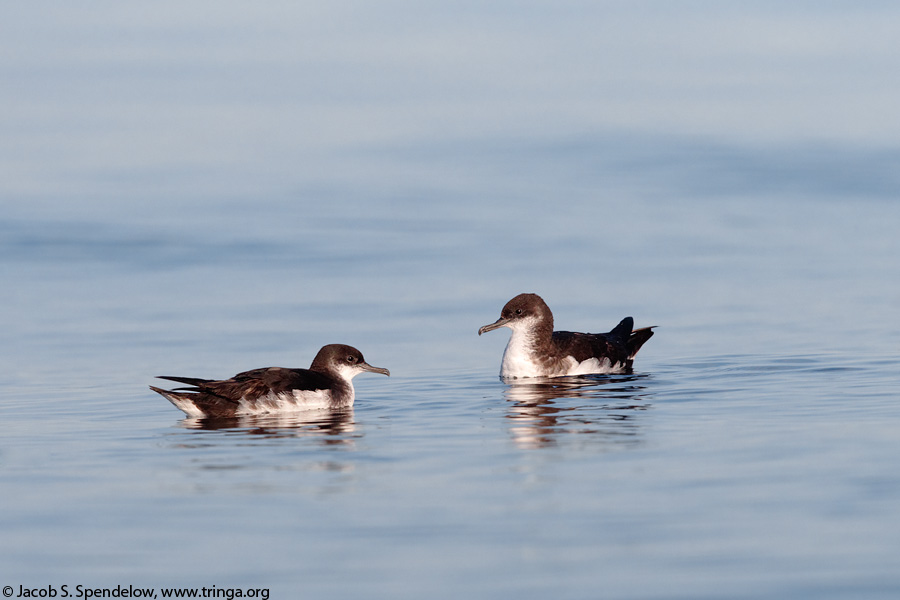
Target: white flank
592,366
293,401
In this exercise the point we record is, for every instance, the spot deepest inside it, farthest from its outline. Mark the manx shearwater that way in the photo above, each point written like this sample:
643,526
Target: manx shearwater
326,384
535,350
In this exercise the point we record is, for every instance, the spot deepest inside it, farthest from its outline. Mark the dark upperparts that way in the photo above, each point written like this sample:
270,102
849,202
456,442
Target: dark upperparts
259,382
615,346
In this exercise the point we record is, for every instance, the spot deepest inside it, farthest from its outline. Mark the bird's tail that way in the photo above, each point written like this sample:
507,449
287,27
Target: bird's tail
622,330
637,338
184,402
193,381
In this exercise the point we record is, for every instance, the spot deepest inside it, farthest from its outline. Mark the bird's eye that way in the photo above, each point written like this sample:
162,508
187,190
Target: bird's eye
351,359
518,311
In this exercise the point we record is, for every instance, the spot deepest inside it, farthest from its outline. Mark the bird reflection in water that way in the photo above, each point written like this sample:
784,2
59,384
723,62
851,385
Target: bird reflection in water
330,427
545,410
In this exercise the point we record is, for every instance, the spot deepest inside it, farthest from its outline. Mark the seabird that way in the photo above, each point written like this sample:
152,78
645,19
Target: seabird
326,384
535,350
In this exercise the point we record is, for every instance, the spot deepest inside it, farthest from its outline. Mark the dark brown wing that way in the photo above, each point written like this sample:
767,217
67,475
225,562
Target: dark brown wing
280,379
257,383
616,345
582,346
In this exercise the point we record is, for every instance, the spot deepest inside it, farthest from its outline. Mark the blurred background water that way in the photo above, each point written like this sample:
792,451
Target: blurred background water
203,188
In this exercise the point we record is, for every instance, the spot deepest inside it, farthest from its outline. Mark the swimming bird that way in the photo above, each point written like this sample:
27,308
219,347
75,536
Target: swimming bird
535,350
326,384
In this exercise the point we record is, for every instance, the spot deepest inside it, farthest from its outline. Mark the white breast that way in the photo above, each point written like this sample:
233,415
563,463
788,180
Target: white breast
517,360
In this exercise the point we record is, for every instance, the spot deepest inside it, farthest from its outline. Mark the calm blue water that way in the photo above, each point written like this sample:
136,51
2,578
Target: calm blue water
207,188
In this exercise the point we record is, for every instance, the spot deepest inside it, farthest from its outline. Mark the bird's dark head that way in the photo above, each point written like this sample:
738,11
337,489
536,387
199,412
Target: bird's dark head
523,311
343,360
